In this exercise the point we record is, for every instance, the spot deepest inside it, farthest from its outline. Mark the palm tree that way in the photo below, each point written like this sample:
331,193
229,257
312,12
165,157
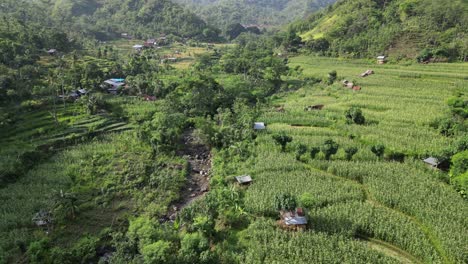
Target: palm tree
65,204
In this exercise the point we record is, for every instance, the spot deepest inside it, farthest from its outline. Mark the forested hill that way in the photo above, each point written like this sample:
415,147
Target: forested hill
104,19
400,28
253,12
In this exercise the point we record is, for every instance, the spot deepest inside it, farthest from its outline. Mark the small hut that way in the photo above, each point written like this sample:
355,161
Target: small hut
381,59
42,218
367,73
294,220
138,47
259,126
244,179
432,162
52,52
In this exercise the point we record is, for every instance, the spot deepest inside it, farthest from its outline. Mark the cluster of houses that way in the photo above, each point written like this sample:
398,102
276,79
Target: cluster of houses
152,43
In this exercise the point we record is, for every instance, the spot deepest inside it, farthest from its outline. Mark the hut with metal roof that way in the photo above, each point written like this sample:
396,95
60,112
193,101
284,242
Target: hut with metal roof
294,220
432,162
244,179
259,126
381,59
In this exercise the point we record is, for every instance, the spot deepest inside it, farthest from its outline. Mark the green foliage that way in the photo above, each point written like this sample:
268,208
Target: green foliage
261,12
378,150
192,248
143,231
459,164
350,152
301,149
354,115
329,148
365,28
314,151
38,251
158,253
307,200
285,202
282,140
332,77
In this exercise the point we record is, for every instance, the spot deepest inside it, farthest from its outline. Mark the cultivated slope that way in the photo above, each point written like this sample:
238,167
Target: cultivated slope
396,27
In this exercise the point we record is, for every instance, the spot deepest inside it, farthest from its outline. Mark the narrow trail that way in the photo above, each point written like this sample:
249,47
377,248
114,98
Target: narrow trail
390,250
199,158
381,244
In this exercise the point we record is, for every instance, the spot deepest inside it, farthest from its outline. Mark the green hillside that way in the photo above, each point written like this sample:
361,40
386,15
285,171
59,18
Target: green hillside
105,19
399,28
258,12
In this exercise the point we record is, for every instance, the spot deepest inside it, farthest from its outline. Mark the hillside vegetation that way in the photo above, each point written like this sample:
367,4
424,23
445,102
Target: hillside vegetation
107,19
258,12
400,28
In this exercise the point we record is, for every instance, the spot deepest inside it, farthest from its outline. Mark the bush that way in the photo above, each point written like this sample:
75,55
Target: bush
378,150
350,152
314,151
396,156
301,149
282,140
354,115
307,200
159,252
329,148
459,164
38,251
332,76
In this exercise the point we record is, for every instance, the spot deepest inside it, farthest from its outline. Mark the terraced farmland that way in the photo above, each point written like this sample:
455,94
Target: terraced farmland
382,211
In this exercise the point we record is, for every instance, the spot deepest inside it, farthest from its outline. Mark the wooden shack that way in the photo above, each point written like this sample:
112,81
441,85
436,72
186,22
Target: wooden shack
293,220
432,162
259,126
244,179
381,59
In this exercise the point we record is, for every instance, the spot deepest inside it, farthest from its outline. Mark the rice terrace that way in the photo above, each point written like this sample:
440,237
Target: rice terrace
213,131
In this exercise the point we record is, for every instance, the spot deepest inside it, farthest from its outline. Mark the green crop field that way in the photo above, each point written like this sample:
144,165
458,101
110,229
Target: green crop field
419,218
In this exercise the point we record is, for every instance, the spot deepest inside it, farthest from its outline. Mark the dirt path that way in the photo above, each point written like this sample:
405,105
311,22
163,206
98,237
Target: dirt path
199,158
390,250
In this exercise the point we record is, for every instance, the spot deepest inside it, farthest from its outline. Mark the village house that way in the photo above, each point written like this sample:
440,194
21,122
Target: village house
112,85
150,43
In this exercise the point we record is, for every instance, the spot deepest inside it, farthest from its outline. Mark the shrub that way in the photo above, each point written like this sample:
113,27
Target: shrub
354,115
307,200
378,150
329,148
282,140
396,156
38,251
459,164
314,151
301,149
349,152
159,252
332,76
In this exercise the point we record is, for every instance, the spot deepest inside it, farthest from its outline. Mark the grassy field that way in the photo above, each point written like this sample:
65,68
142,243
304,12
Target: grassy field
402,209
